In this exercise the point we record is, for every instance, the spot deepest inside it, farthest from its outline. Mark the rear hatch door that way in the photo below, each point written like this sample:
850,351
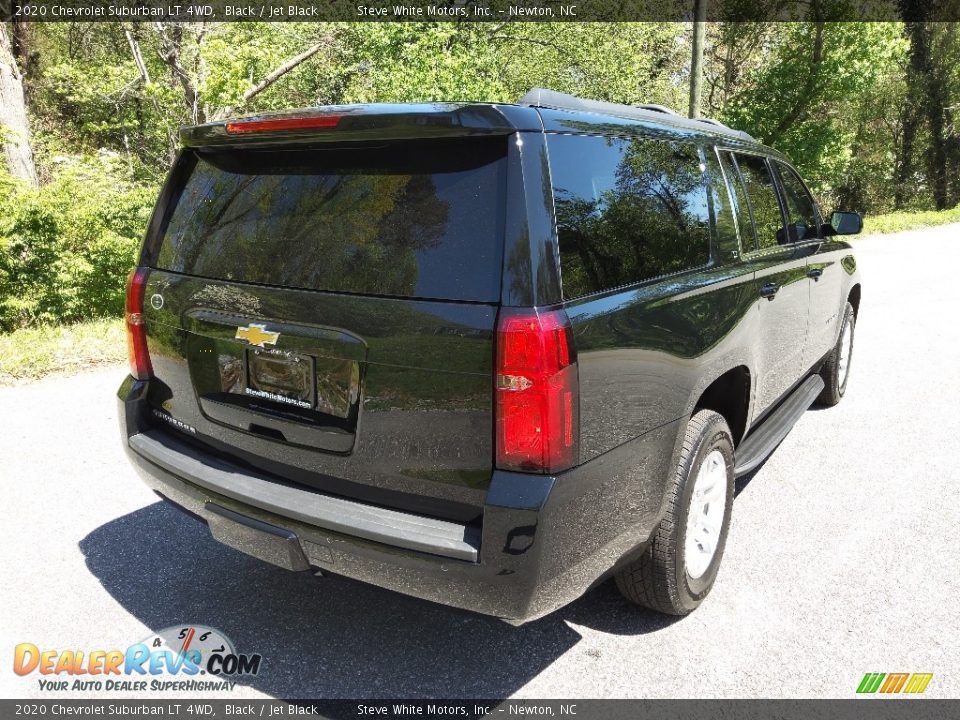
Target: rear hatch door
327,314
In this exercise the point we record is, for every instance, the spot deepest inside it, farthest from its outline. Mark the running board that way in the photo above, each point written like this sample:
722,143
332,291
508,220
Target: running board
762,441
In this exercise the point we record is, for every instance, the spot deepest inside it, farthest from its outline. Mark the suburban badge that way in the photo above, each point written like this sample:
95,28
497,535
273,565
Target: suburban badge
257,335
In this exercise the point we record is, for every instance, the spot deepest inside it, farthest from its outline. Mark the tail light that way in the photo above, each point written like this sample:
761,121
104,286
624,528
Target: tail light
140,366
537,395
312,122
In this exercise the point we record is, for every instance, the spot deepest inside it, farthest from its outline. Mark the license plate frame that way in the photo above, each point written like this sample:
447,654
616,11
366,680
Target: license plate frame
282,376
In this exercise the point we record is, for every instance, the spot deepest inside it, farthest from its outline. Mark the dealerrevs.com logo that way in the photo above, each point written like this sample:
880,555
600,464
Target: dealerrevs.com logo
183,658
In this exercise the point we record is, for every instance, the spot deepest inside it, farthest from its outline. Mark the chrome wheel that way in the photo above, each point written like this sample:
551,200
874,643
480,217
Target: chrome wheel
846,347
708,504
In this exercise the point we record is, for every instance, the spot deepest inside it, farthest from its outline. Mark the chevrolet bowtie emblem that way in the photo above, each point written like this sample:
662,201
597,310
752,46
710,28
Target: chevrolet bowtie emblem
257,335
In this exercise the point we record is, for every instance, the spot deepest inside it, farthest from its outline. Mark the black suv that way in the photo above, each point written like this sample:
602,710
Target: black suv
483,354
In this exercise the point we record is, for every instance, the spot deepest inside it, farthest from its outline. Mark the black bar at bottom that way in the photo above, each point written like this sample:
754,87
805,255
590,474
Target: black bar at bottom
866,707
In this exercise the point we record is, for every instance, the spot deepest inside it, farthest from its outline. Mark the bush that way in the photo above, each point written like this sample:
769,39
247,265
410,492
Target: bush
66,248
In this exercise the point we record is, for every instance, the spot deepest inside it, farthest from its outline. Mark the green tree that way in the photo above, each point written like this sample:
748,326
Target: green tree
803,95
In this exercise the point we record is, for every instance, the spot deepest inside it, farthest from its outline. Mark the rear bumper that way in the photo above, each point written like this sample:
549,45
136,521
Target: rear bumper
544,539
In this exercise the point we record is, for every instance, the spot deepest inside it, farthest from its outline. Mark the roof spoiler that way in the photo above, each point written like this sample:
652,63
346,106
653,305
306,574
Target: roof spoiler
543,98
363,122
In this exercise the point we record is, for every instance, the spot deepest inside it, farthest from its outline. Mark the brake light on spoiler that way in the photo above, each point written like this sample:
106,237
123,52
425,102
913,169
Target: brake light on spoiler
537,392
311,122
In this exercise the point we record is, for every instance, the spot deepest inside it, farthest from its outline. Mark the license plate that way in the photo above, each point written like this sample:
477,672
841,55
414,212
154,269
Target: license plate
281,376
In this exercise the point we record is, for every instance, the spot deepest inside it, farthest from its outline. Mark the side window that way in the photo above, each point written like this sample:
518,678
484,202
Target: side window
748,240
724,207
627,210
763,199
804,219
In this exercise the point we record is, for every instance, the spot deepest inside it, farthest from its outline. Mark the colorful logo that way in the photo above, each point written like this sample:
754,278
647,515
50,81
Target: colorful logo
257,335
910,683
179,651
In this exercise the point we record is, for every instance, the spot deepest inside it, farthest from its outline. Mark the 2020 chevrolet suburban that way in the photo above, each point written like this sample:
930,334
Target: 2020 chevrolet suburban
483,354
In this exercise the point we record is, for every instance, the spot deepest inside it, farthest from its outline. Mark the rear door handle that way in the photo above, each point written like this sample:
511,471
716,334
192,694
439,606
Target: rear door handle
815,273
769,291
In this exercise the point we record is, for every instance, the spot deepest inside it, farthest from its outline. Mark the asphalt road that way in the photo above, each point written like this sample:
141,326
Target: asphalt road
842,559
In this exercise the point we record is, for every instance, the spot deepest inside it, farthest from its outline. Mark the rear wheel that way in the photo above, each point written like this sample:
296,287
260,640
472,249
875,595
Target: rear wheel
678,569
836,368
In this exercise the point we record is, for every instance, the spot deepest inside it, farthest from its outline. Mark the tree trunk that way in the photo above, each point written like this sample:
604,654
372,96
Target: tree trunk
904,165
937,158
939,115
20,42
170,52
137,55
14,127
696,61
953,170
913,109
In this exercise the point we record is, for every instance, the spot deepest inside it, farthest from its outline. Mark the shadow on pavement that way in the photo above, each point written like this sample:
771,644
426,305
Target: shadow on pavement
740,483
333,637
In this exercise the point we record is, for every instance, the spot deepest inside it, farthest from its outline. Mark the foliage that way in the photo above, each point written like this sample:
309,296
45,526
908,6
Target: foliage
66,248
830,95
867,178
621,62
801,98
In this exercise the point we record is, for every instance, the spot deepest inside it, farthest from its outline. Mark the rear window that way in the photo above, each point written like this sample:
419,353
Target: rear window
628,210
403,219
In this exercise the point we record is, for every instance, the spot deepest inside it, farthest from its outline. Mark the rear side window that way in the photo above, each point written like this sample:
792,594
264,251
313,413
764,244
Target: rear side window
804,219
724,207
402,219
748,239
761,194
627,210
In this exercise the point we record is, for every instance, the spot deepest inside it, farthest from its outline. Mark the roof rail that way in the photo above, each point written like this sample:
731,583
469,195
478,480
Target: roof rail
711,121
540,97
656,108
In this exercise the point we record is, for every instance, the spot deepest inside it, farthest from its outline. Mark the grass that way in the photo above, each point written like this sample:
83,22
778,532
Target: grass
909,220
33,353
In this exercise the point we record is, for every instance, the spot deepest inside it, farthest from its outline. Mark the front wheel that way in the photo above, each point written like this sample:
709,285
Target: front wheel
836,368
678,569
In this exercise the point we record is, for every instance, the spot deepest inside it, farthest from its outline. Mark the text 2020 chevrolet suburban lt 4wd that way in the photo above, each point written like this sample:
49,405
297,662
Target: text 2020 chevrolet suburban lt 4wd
481,354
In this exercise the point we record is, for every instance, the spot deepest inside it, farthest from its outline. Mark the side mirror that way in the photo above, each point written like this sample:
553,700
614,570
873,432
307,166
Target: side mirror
845,223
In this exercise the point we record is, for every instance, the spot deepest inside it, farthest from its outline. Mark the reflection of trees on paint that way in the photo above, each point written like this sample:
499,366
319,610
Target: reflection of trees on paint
647,217
684,327
354,232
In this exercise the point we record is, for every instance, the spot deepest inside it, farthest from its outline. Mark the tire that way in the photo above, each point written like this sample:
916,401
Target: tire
834,372
668,577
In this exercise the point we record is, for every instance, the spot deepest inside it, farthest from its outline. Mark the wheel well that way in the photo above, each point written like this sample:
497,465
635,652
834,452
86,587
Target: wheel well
854,299
729,395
